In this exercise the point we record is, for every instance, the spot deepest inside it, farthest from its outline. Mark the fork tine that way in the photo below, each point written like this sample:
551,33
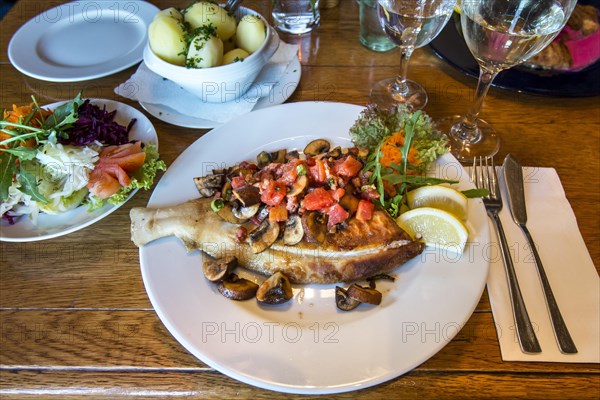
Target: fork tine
477,173
485,174
489,178
495,188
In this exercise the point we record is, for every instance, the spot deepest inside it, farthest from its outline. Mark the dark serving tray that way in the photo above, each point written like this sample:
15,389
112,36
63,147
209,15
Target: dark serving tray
450,46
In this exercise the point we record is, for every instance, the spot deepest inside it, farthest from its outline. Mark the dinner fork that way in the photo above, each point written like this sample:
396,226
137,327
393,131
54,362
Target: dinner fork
484,177
232,5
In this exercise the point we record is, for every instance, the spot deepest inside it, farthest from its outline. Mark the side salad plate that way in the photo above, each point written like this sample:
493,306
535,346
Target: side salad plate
47,226
82,40
307,345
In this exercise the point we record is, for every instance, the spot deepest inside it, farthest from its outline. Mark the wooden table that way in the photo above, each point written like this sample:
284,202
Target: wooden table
75,318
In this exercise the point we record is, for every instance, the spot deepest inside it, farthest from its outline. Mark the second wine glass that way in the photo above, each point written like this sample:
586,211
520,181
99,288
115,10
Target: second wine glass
409,24
500,35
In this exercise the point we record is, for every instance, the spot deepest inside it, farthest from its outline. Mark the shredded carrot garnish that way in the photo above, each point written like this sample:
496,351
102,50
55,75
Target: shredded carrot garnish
18,114
392,154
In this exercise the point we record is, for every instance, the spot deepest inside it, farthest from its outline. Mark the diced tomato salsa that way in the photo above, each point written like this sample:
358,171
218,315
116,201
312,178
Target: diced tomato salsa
237,182
336,214
318,199
347,167
278,213
317,172
273,193
333,186
364,211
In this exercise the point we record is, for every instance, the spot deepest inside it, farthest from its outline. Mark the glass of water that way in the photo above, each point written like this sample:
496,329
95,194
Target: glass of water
409,24
296,16
500,35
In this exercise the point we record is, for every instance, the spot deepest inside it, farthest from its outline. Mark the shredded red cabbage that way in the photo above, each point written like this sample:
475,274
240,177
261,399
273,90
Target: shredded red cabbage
94,123
9,218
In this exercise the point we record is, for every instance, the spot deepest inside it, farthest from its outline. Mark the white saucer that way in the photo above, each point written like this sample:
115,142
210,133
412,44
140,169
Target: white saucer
82,40
279,94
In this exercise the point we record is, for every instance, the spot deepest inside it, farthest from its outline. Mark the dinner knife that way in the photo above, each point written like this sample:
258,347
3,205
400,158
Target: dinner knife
513,178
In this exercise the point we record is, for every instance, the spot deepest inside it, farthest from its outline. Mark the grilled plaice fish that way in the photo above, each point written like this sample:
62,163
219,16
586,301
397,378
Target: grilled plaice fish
360,250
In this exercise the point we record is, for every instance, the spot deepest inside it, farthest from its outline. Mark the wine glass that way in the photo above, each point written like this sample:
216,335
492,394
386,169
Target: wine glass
500,35
409,24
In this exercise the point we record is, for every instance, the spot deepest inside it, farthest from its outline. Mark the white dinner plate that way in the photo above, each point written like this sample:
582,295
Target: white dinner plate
50,226
281,91
82,40
307,345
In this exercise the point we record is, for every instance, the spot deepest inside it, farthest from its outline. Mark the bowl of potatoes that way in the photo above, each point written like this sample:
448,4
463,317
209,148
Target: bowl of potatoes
208,52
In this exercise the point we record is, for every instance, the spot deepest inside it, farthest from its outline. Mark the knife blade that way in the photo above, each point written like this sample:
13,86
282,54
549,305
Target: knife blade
513,176
515,188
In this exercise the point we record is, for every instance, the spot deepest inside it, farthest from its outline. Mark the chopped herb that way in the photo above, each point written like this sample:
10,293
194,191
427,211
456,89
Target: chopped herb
217,204
301,169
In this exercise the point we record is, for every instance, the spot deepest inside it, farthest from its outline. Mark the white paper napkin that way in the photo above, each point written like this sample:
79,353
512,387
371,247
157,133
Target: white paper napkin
147,87
568,265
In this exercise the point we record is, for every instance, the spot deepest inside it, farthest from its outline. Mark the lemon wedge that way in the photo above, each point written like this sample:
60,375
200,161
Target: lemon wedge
439,196
435,227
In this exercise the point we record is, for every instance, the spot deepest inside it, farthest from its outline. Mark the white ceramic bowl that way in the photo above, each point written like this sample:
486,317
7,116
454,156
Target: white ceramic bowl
218,84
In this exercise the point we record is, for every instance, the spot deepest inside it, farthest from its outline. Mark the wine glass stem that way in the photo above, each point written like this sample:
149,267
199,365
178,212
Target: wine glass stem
401,86
468,131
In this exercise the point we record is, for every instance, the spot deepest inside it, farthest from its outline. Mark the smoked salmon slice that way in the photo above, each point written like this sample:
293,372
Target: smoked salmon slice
113,168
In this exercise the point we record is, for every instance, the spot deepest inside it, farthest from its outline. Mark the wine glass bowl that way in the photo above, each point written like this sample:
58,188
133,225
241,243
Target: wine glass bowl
499,35
409,24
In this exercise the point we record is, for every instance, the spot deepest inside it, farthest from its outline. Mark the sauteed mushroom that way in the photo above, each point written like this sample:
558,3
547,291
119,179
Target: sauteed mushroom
208,185
245,213
264,236
226,213
335,153
316,147
374,278
349,202
343,301
278,156
262,159
236,288
247,195
291,155
215,270
364,294
299,186
277,289
315,226
293,232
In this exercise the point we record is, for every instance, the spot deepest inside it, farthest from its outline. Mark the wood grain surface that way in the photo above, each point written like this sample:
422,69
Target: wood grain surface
75,320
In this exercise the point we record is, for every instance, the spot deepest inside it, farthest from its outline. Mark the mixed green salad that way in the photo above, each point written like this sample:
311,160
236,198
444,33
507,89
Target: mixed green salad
53,161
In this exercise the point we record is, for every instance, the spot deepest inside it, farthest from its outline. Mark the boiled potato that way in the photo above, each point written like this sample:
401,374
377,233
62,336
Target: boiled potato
165,35
229,44
205,51
203,13
235,55
251,33
170,12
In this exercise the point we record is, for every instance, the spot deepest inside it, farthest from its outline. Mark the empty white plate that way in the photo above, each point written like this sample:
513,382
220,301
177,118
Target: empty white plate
82,40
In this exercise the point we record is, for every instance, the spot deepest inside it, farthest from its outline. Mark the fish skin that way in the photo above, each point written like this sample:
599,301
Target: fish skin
385,245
